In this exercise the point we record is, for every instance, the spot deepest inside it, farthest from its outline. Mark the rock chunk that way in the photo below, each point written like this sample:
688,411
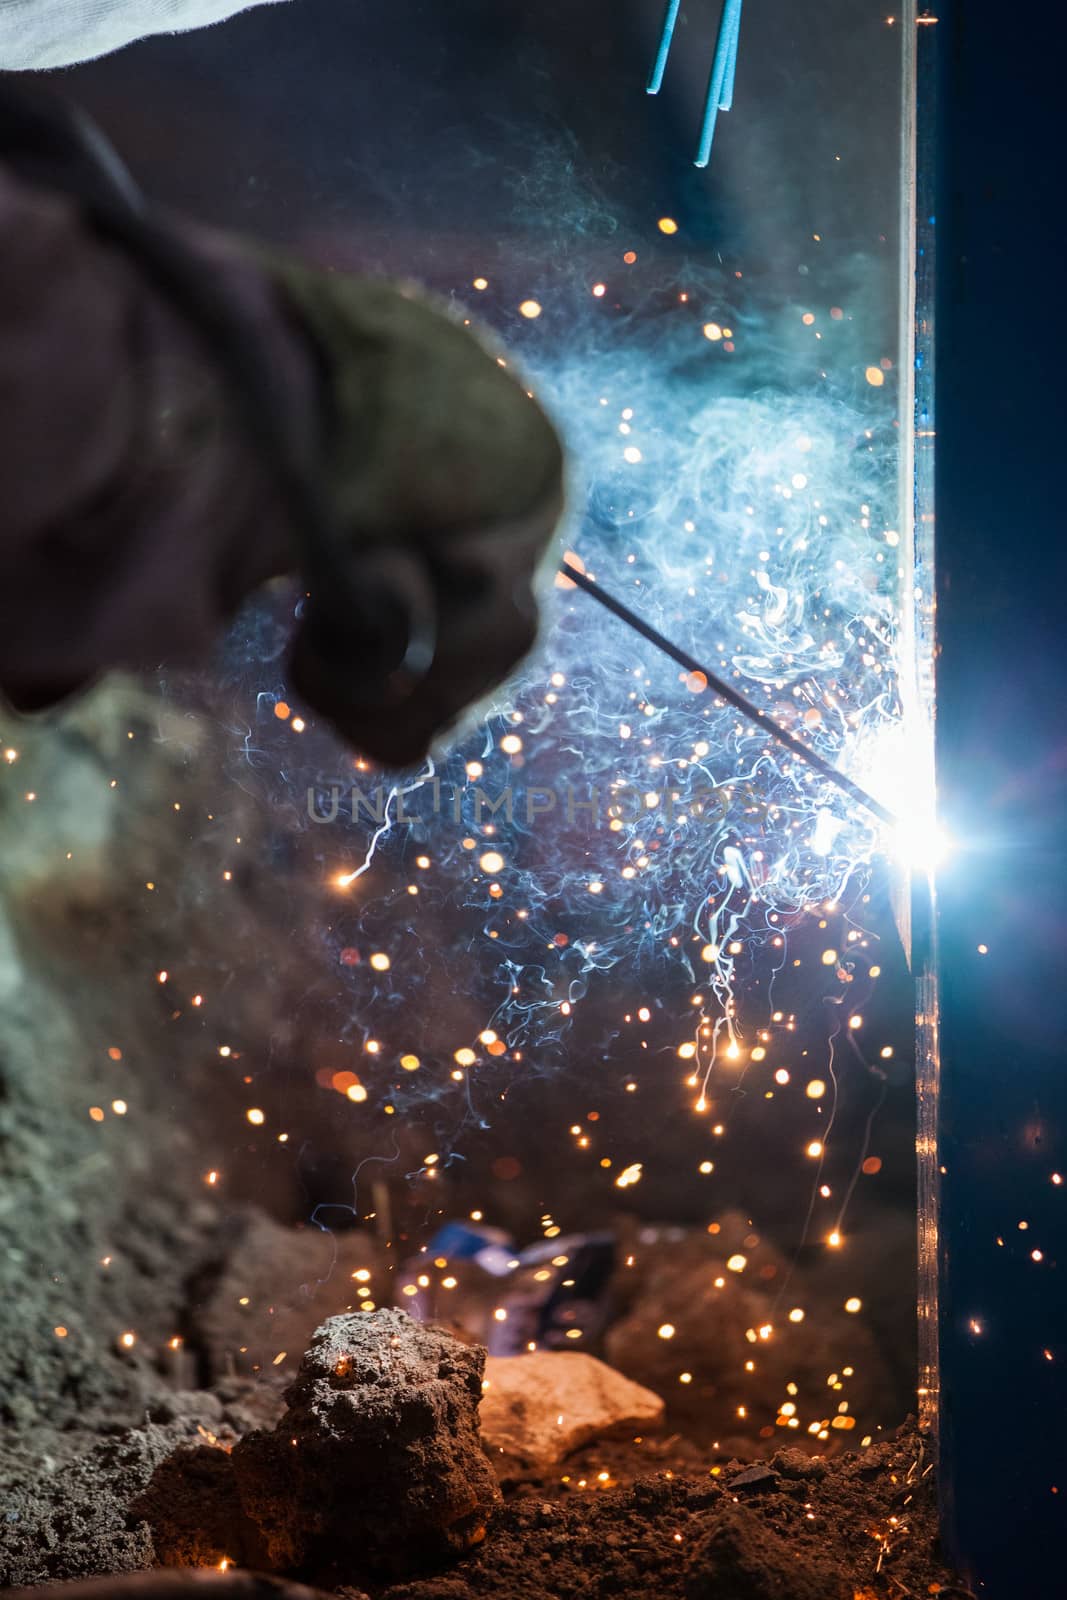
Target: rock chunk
377,1464
737,1555
758,1477
539,1408
793,1463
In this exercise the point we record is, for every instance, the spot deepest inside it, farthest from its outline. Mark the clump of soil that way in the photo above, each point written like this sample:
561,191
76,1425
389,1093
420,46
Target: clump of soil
377,1462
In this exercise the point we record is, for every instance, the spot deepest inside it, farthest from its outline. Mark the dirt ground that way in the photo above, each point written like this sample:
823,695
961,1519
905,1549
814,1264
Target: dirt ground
791,1529
643,1520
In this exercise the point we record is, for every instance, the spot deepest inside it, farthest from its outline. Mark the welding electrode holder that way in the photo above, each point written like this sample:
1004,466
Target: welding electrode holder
372,606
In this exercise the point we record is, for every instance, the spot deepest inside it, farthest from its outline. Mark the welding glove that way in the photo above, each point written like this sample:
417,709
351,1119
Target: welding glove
388,458
446,481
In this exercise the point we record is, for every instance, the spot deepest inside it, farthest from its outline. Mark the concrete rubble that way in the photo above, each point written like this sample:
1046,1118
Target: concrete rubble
538,1408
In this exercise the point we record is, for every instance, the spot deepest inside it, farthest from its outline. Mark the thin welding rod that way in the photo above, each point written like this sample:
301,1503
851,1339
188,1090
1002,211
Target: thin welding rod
726,99
720,80
670,17
739,701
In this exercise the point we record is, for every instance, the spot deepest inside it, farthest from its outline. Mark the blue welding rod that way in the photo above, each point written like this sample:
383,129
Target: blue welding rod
726,99
721,80
670,17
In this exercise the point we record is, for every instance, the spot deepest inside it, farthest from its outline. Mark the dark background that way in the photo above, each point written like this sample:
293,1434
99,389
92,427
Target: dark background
1002,569
392,129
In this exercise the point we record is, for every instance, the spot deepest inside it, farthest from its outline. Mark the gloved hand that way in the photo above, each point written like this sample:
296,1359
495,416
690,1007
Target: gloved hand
446,480
270,418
